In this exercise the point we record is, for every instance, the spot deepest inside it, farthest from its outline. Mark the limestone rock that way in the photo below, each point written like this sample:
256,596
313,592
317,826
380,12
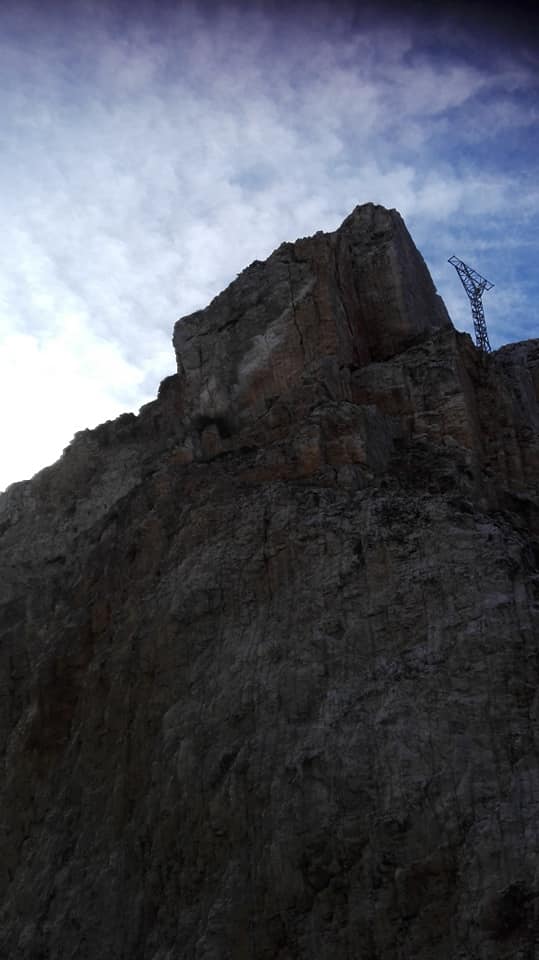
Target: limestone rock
269,649
288,328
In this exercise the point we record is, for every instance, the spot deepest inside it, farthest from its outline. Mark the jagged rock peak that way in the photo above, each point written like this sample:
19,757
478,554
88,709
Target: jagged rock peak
314,310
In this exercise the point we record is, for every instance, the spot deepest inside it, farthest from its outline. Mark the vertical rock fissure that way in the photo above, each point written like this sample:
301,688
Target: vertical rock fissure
294,315
342,299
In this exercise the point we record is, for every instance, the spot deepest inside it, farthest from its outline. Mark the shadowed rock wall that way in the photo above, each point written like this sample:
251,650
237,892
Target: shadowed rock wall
269,649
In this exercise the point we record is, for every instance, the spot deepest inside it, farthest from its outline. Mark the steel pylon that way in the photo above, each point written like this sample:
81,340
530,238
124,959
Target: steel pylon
475,285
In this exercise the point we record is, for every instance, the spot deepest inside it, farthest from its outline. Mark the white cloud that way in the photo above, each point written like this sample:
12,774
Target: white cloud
144,167
51,385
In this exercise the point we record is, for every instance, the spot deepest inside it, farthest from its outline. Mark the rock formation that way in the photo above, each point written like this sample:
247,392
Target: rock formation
269,649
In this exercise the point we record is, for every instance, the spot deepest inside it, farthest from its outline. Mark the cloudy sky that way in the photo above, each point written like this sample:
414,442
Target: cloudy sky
151,151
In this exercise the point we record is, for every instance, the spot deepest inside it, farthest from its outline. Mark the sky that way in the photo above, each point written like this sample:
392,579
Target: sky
150,151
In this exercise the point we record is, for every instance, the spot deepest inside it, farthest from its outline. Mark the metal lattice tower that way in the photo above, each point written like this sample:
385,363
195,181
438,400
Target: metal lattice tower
475,284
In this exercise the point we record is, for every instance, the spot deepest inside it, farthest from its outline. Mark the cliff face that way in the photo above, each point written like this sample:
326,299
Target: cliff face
269,649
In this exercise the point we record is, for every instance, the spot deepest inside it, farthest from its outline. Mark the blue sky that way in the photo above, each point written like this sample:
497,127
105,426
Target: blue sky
151,151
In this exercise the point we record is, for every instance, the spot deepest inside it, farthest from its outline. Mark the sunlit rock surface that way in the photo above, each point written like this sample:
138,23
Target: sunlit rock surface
269,660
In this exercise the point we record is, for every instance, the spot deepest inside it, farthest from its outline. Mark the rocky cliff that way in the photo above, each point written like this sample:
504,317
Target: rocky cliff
269,660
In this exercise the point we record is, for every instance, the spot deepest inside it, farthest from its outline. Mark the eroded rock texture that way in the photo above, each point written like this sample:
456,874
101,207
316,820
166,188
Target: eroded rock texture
269,649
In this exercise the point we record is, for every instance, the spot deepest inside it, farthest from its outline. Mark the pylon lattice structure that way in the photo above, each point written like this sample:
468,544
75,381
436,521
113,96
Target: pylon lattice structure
475,284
